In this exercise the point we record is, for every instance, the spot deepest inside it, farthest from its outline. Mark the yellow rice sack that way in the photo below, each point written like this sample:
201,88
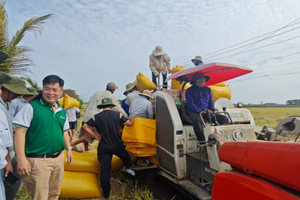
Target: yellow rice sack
140,139
142,151
80,185
142,131
68,102
143,83
86,161
220,91
176,84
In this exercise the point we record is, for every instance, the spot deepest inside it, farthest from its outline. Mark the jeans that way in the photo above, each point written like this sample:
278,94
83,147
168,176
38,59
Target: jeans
104,159
11,190
165,84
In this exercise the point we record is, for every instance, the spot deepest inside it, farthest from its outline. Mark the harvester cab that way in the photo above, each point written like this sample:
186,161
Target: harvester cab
181,158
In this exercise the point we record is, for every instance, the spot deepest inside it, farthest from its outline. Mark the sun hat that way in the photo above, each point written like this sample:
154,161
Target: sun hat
16,85
3,56
129,86
106,102
32,90
146,93
4,77
158,51
197,58
199,75
111,86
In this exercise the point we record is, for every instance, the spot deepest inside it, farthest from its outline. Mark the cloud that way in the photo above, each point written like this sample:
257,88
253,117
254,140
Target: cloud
91,42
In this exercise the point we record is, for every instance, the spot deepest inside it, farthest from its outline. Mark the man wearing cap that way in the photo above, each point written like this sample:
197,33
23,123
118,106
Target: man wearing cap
17,104
159,63
107,124
130,87
40,137
197,61
133,93
199,99
142,107
92,109
10,90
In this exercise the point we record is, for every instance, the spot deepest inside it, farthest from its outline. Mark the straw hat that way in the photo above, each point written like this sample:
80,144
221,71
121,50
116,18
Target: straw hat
146,93
158,51
197,58
199,75
106,102
129,86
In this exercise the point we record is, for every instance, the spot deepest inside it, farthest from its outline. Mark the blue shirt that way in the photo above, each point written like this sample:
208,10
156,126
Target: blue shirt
199,99
16,105
125,106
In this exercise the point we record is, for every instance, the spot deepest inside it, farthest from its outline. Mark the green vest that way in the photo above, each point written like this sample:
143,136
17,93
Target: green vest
45,134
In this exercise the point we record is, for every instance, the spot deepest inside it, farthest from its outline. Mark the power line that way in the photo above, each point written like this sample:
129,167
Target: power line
290,24
260,47
269,33
252,43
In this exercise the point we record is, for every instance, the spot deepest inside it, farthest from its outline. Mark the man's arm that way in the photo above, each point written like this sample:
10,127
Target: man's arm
91,132
152,66
23,167
67,145
129,122
167,60
150,111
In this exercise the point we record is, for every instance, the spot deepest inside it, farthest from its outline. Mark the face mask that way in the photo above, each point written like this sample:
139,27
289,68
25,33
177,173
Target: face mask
197,63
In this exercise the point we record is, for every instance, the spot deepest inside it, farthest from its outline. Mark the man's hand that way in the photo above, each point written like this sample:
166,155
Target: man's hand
8,168
23,167
98,137
69,157
210,111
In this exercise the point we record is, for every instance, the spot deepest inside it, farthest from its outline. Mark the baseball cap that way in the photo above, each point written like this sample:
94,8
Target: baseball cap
111,86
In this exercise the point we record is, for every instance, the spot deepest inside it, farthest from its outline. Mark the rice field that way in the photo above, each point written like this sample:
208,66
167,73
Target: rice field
270,116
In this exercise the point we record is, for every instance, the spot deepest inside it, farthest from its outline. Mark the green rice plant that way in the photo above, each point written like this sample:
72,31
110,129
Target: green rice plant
270,116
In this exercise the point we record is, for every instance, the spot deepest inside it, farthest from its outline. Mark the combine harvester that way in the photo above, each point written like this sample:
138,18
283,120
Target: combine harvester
236,165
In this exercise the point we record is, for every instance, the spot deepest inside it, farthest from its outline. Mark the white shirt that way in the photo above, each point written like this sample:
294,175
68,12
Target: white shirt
96,99
5,139
71,113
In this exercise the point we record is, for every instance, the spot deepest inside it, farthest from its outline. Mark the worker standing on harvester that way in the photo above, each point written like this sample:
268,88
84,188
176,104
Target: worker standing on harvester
159,62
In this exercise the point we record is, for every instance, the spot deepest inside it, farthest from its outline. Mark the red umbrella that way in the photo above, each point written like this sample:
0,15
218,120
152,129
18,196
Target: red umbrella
218,72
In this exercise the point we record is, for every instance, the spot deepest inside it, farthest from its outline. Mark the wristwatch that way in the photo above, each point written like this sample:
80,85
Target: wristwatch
69,148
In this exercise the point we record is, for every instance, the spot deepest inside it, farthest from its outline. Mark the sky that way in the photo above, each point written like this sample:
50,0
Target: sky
89,43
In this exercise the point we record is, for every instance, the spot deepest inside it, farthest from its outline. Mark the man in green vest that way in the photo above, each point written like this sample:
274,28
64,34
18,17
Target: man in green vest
41,135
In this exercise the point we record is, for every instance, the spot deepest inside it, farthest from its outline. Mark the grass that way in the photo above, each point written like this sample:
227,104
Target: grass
270,116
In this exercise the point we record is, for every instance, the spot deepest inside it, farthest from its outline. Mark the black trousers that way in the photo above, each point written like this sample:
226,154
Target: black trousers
165,84
105,171
198,123
11,190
